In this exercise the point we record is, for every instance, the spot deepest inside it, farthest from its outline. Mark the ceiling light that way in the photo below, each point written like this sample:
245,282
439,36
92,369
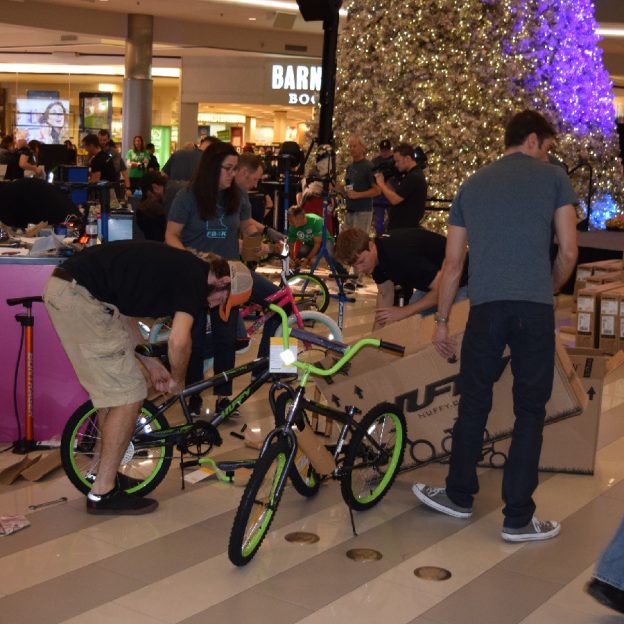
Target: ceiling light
610,32
97,70
252,19
274,4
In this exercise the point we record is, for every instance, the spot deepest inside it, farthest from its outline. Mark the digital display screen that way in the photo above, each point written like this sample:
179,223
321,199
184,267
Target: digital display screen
45,120
96,111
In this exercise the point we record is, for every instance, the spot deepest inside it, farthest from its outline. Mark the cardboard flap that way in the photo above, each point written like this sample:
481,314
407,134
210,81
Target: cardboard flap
10,474
48,462
615,362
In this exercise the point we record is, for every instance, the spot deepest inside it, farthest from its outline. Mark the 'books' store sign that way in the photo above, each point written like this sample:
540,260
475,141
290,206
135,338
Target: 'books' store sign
301,82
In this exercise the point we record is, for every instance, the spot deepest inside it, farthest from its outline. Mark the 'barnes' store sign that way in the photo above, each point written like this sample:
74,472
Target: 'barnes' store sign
301,83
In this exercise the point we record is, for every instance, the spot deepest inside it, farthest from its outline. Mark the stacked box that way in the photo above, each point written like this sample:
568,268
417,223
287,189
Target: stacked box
611,304
588,314
589,272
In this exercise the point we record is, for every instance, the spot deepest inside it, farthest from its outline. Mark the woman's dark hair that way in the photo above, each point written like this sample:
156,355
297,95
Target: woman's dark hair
205,182
43,118
525,123
138,136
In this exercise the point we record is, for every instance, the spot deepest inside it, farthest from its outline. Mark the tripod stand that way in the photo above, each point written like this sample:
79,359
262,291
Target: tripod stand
27,321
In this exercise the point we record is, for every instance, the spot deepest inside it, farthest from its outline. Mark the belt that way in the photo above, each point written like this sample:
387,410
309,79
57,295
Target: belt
62,274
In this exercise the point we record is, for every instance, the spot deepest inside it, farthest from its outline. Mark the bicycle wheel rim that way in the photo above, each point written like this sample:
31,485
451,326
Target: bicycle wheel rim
363,478
306,286
302,475
319,324
258,522
85,436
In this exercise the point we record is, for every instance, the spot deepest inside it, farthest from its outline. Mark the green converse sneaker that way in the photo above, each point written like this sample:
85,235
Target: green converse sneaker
535,531
437,499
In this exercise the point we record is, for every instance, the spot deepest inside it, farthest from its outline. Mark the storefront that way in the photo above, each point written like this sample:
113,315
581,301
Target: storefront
240,99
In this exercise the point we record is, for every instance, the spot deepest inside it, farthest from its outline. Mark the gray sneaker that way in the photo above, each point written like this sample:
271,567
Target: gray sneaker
437,499
536,530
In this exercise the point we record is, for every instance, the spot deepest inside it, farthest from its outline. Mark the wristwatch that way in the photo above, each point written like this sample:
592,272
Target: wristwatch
440,320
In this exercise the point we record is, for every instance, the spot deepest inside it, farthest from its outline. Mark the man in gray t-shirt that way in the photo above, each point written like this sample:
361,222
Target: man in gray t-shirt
359,187
505,213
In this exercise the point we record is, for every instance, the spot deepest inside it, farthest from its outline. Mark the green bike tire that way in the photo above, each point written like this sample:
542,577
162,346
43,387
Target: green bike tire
141,470
306,286
301,474
368,473
258,504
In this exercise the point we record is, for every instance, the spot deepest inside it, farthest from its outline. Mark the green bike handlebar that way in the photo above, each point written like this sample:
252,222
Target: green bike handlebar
348,351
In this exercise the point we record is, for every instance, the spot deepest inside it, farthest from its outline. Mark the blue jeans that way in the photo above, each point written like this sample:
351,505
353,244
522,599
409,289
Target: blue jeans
224,337
611,565
529,330
379,216
462,295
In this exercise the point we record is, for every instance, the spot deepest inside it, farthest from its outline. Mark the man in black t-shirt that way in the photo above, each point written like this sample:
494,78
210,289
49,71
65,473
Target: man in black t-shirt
408,195
92,301
410,257
101,165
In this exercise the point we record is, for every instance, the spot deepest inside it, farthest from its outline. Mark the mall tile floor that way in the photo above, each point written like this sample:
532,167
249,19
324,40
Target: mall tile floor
172,566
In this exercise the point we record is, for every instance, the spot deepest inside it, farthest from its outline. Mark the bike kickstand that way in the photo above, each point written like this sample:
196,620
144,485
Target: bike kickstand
355,534
182,469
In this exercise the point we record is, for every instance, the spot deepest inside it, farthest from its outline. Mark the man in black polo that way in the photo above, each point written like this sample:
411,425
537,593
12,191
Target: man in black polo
410,257
408,195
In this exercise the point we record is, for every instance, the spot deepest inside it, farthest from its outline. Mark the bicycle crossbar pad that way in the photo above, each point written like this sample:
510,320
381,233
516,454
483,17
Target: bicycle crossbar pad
332,345
391,346
27,301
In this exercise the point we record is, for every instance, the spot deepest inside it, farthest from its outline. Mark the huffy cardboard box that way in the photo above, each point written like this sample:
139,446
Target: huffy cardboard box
425,386
570,445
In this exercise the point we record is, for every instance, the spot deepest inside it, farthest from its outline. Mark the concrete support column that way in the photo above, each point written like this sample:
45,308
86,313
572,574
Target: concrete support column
279,126
250,130
187,126
137,84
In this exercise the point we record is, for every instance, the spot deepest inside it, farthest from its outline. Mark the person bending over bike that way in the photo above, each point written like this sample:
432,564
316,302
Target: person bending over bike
92,300
410,258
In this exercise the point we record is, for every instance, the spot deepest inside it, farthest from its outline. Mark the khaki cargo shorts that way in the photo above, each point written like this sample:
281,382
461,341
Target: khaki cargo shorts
97,344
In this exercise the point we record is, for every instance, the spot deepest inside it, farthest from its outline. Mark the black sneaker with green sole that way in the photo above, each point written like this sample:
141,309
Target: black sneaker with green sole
118,503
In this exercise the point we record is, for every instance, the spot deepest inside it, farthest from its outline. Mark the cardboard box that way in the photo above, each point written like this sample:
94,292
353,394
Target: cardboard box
570,445
603,278
602,268
251,248
588,314
425,386
611,304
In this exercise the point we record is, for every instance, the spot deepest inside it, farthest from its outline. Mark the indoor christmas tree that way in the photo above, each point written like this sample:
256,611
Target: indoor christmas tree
557,69
447,74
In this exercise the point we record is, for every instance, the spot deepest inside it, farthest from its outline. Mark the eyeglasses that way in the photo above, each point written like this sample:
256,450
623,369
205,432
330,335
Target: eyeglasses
230,168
